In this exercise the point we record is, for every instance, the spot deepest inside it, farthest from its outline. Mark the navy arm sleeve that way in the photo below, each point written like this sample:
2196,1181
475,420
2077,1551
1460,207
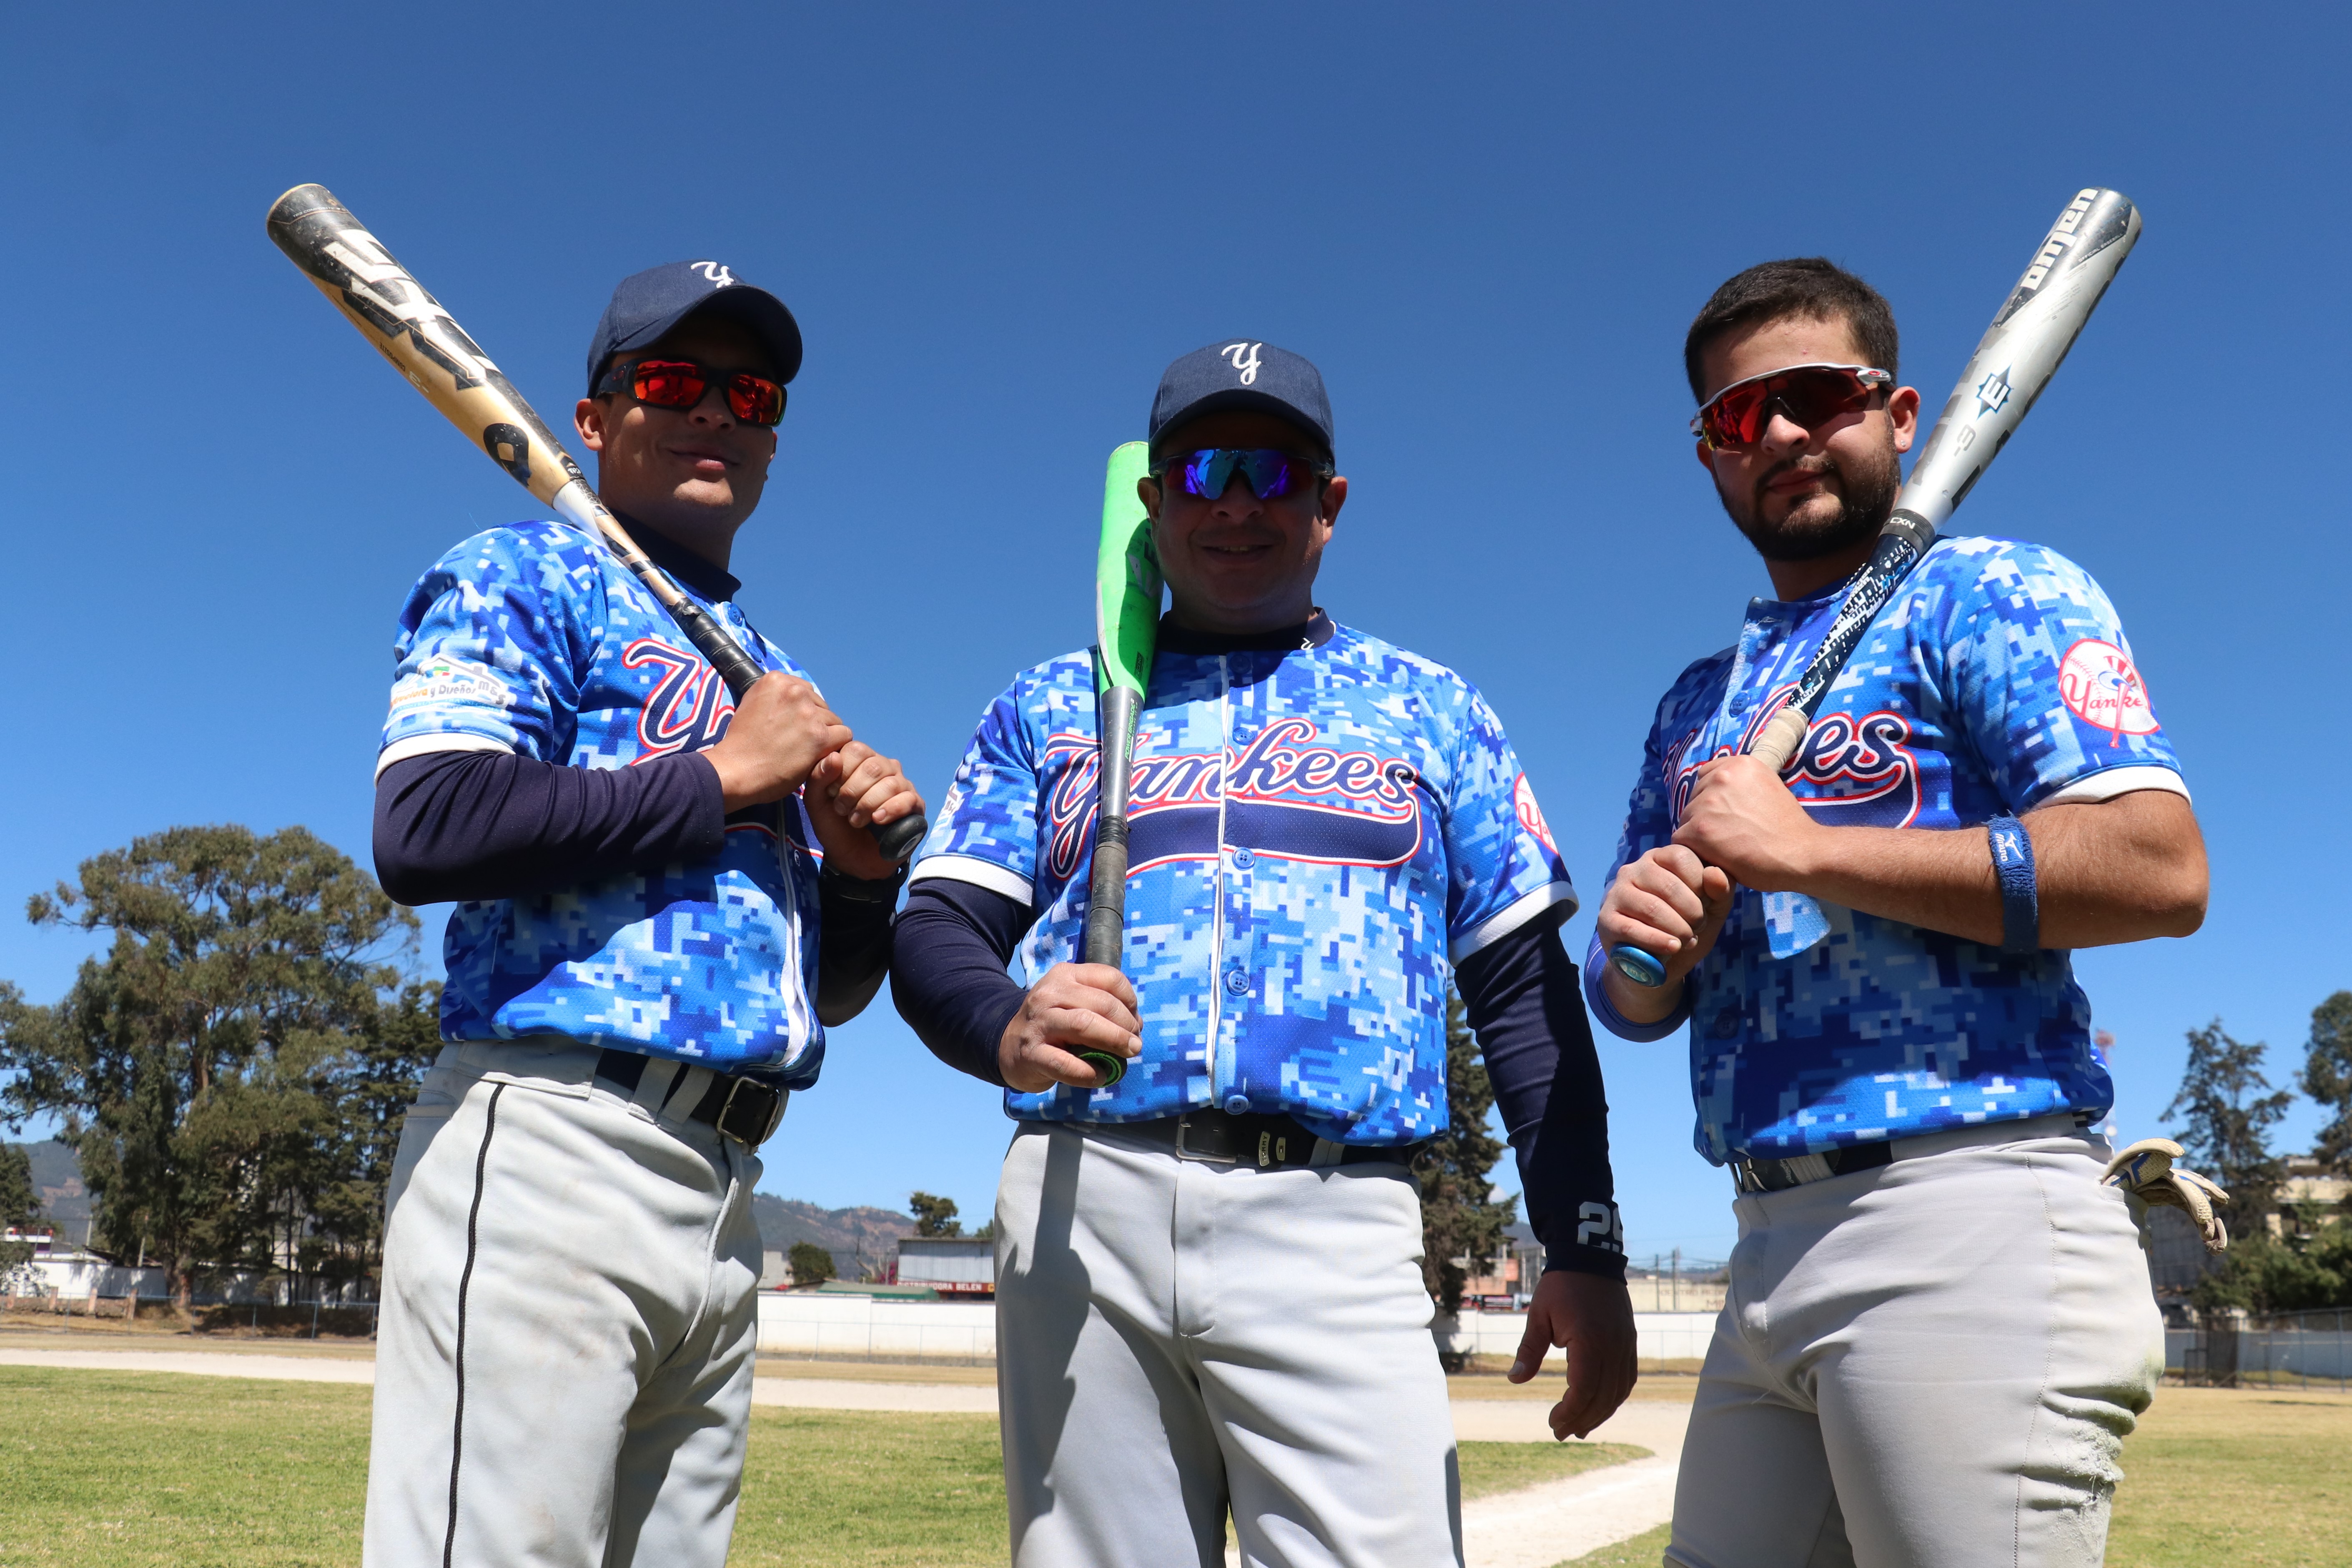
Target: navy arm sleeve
853,950
948,971
459,826
455,826
1527,1007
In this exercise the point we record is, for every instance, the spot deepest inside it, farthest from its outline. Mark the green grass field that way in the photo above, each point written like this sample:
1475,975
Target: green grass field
2230,1477
136,1469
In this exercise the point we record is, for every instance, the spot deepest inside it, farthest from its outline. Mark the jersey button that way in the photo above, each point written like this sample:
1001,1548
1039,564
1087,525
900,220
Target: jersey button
1237,983
1237,1105
1243,859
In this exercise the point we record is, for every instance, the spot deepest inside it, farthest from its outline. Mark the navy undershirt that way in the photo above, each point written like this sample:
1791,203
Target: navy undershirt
948,979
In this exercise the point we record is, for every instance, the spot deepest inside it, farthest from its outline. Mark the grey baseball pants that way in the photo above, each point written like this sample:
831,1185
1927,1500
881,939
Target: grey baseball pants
1931,1365
1175,1337
563,1363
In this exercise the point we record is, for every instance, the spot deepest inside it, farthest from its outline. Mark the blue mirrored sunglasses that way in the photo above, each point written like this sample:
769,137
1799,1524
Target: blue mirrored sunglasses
1268,472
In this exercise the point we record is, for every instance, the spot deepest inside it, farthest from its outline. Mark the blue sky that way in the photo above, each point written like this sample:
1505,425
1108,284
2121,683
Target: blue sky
1488,226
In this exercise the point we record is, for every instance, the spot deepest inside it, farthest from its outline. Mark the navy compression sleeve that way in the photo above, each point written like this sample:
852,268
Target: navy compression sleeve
491,824
946,971
1527,1009
459,826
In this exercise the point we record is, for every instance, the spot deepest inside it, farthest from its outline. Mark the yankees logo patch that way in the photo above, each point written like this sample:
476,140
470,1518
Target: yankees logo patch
1245,358
1530,815
714,271
2099,685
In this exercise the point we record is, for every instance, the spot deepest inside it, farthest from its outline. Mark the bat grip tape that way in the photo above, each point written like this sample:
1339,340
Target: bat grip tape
1106,932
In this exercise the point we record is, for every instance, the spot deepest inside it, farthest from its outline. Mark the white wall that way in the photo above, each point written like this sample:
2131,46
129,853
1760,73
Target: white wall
797,1324
72,1274
1662,1336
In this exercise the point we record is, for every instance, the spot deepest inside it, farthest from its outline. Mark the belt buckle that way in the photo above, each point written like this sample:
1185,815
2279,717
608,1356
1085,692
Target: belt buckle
1184,1151
775,1113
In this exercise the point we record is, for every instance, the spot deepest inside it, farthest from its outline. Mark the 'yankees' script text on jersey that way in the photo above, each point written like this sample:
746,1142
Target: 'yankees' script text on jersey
1316,835
1996,681
532,639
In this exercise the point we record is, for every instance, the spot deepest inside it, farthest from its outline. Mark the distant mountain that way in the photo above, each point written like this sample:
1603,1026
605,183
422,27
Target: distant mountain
64,1201
846,1232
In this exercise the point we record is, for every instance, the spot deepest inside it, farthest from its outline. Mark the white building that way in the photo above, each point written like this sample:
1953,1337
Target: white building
56,1270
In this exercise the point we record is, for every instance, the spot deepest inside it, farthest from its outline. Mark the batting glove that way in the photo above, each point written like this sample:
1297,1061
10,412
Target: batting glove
2146,1171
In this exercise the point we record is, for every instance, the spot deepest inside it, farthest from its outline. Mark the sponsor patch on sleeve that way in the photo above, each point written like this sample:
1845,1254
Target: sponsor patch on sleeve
442,682
2100,687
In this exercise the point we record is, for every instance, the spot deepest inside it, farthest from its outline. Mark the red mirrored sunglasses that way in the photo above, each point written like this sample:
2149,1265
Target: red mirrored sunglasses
1733,419
681,382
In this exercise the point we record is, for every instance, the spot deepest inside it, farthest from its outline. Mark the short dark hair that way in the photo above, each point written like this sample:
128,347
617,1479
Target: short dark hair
1812,287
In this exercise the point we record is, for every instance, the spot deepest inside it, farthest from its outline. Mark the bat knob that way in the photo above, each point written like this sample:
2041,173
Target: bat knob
1112,1069
898,839
1642,968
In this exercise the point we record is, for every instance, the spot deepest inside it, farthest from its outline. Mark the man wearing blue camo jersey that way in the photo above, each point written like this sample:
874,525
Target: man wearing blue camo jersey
641,963
1208,1276
1939,1325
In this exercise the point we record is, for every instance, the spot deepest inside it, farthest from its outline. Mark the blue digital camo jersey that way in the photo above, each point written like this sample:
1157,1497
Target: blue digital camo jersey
1997,679
532,639
1317,835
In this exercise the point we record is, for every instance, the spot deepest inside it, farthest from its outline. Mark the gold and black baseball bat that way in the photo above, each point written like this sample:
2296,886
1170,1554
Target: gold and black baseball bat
410,328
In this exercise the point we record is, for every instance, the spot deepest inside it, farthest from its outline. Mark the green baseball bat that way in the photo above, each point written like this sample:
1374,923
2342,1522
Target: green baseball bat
1126,622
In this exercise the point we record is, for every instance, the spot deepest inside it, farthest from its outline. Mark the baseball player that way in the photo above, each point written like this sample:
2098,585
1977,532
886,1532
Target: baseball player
1208,1276
644,957
1939,1324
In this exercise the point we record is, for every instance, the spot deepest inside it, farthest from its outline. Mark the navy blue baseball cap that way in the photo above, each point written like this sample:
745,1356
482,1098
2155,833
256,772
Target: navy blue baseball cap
1242,373
649,304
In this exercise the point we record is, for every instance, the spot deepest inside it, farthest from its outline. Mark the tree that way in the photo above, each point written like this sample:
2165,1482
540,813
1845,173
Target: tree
1459,1218
2226,1133
2328,1078
811,1264
205,1065
20,1205
2308,1267
934,1215
367,1081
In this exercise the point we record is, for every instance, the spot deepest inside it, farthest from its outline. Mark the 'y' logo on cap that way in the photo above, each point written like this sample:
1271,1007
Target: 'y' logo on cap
1245,358
715,271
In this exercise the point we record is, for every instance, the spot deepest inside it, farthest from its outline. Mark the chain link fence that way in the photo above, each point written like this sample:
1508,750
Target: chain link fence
2284,1349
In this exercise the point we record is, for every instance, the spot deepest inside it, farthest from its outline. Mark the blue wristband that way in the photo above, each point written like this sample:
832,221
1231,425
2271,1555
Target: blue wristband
2021,904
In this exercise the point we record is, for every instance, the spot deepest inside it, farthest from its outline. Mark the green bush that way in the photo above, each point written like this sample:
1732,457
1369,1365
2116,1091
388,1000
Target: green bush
2308,1267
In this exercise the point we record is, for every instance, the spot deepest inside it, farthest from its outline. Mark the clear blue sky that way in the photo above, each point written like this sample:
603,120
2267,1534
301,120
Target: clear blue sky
1488,226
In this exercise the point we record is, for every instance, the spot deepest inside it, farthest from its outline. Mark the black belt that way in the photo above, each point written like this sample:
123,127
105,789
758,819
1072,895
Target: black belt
744,1109
1778,1175
1263,1141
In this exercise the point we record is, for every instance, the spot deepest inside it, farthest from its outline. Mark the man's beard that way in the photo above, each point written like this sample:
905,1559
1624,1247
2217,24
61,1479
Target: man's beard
1863,510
